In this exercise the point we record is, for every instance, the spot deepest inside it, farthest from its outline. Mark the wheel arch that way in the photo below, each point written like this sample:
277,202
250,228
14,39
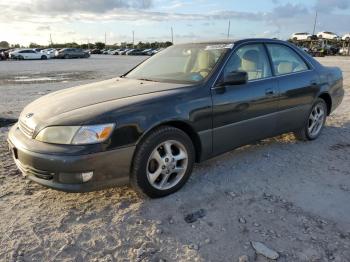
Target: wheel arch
327,98
183,126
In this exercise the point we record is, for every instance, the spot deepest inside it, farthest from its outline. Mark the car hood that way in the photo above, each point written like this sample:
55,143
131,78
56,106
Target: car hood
71,99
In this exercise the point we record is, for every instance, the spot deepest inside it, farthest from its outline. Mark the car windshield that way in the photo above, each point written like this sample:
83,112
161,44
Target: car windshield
190,63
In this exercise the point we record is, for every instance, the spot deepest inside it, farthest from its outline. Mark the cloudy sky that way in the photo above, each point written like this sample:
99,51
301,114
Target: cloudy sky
25,21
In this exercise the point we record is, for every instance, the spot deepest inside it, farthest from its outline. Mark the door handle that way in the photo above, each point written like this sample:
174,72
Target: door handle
269,92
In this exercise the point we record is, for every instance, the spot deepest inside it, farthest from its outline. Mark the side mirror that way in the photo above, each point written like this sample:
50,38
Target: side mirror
235,78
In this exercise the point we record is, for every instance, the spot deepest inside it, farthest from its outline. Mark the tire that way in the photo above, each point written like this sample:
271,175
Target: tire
152,163
347,39
295,39
66,57
20,57
43,57
305,134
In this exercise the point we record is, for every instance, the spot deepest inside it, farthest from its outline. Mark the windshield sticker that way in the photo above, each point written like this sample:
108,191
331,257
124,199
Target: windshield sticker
220,46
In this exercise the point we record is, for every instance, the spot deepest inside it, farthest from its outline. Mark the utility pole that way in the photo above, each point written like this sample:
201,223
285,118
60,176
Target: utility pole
313,32
228,30
133,38
51,40
172,35
105,39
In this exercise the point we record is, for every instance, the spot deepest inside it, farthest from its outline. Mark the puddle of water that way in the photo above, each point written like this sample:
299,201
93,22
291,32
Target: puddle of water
38,79
48,77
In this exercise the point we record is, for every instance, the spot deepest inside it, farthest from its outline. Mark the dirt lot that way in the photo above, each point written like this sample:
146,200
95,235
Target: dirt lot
292,196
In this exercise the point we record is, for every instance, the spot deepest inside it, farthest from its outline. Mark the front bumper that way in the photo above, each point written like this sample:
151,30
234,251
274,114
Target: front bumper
61,171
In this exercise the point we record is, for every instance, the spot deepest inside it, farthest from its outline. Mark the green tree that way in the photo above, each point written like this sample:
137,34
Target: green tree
100,45
4,44
34,45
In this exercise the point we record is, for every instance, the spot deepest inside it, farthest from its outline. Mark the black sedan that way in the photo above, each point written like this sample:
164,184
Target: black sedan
186,104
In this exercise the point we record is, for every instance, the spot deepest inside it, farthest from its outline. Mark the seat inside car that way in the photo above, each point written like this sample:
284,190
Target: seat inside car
204,63
284,68
251,64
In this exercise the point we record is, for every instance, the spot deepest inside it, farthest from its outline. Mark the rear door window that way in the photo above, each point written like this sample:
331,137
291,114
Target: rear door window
285,60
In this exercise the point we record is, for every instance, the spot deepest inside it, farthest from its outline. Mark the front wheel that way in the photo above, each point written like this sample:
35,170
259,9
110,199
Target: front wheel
163,162
315,123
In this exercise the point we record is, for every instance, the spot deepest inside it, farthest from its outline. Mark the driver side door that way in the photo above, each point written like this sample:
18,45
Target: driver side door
246,112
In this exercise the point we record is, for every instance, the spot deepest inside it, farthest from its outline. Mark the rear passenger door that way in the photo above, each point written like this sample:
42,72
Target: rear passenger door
298,85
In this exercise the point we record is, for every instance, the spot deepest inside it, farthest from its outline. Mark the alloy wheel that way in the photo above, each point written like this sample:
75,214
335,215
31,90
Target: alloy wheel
316,120
167,165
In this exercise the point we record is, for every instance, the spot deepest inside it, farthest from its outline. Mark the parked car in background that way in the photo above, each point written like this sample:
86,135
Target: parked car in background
327,35
27,54
50,52
202,100
124,51
135,52
96,51
301,36
331,49
71,53
346,37
3,55
344,51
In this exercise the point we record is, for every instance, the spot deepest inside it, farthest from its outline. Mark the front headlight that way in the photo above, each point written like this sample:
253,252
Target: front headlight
75,135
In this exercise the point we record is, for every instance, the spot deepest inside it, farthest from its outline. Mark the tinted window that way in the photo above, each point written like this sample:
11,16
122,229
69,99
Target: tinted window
285,60
251,59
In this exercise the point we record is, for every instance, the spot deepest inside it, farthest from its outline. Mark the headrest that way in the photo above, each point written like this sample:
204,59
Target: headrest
250,60
284,68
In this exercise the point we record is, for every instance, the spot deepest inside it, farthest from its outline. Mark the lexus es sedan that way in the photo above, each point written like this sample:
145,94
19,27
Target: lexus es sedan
186,104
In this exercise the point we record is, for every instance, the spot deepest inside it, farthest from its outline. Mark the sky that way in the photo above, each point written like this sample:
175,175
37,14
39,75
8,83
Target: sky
26,21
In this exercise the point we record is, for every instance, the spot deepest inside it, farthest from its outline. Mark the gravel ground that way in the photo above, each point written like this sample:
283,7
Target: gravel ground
291,196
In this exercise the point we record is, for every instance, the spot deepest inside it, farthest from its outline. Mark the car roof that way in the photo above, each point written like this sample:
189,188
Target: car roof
267,40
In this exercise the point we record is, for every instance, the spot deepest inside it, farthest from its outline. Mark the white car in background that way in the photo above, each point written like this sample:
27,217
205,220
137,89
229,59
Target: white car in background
301,36
346,37
50,52
327,35
344,51
28,54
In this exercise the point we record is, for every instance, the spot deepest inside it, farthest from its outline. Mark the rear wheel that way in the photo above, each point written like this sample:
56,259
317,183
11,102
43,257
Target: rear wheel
20,57
43,57
163,162
315,123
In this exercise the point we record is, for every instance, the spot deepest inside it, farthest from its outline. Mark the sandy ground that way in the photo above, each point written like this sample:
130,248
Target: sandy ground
292,196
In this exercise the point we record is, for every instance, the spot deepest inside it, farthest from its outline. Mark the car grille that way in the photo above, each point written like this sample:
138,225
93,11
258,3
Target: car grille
26,129
27,170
